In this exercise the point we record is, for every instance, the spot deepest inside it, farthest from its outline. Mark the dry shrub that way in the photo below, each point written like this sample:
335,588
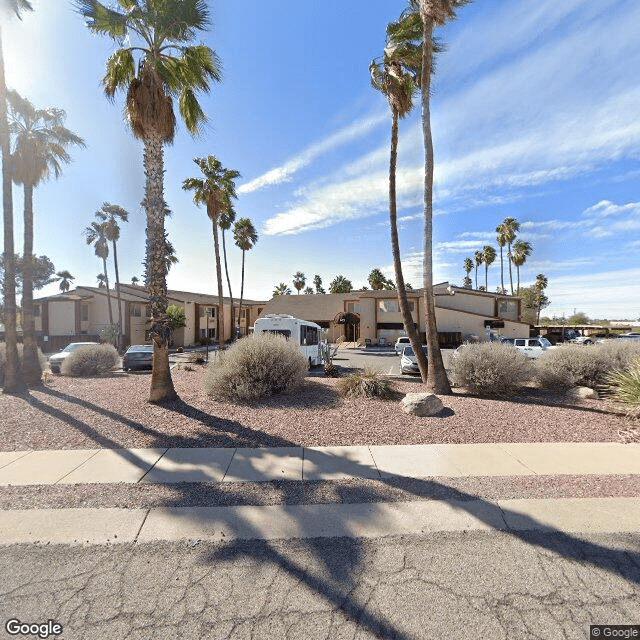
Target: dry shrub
255,367
366,384
3,359
573,365
490,369
92,360
625,388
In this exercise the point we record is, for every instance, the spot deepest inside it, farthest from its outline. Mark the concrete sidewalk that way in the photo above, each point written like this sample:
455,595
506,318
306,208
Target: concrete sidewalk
212,465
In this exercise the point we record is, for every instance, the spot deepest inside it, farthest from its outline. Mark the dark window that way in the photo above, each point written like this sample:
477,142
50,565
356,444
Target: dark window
308,335
280,332
85,312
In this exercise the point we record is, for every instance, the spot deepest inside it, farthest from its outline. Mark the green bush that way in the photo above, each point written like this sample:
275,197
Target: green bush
255,367
625,388
3,359
91,360
366,384
490,368
572,365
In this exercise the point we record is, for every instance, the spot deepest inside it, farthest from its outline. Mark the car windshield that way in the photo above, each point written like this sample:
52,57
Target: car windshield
408,351
77,345
544,342
140,347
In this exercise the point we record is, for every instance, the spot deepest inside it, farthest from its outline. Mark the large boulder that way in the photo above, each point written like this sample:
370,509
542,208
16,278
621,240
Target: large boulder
422,404
584,392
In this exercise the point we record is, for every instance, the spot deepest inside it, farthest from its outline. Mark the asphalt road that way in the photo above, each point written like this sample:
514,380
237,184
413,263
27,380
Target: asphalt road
470,585
385,362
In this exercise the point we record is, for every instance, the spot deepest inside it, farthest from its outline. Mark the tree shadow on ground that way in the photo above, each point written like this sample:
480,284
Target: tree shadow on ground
337,588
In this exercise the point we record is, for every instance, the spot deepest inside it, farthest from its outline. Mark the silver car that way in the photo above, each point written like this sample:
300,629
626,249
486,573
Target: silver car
56,360
409,362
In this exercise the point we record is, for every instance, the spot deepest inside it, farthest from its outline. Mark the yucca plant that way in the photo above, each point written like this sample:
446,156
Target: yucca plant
366,384
624,386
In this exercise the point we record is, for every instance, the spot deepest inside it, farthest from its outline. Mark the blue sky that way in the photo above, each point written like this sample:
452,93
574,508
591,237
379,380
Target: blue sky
534,113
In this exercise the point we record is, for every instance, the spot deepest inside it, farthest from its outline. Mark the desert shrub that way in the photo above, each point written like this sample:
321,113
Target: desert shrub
490,368
255,367
624,386
573,365
92,360
3,359
366,384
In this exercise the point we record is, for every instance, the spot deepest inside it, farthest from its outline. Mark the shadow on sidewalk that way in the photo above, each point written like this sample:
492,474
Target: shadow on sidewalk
337,588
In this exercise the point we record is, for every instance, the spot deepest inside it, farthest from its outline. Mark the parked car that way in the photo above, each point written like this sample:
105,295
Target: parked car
138,356
56,360
531,347
401,343
408,360
629,336
583,340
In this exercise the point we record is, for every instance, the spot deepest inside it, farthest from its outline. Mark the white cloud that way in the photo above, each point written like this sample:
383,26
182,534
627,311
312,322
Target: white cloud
284,172
606,209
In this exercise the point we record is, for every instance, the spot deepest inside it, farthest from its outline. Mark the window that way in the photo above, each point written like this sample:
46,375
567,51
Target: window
36,310
520,343
353,307
84,313
210,333
308,335
136,311
508,306
280,332
388,306
243,314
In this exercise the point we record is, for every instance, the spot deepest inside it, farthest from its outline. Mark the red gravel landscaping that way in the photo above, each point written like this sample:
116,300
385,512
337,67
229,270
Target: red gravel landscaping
112,412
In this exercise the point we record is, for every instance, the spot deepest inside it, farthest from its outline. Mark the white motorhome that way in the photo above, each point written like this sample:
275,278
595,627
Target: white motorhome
307,335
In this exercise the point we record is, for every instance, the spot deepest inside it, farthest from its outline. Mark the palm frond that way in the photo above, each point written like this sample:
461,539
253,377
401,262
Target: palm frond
191,112
180,20
120,71
102,20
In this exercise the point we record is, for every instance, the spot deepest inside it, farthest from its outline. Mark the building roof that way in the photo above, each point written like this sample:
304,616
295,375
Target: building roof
135,293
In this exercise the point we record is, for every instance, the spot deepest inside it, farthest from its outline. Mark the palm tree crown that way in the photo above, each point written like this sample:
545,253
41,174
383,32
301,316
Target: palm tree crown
65,279
281,289
521,251
488,257
299,280
168,64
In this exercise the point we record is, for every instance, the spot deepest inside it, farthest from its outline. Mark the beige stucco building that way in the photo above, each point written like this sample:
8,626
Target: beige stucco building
461,314
83,313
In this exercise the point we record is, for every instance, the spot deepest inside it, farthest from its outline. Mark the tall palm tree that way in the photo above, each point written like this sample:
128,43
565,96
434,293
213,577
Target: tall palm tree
540,284
521,251
468,268
110,214
488,257
308,291
227,218
245,236
478,258
317,283
13,382
428,14
502,241
101,277
95,234
376,279
158,63
39,150
135,280
282,289
299,280
508,230
397,76
65,280
216,190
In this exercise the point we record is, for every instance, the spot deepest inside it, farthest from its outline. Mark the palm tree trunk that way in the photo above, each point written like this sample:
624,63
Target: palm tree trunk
226,269
476,277
437,381
161,383
241,290
13,382
220,314
407,318
486,277
106,282
115,266
510,273
518,273
501,272
31,370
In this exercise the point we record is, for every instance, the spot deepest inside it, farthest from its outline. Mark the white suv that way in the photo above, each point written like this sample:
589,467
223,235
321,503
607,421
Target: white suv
531,347
401,343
